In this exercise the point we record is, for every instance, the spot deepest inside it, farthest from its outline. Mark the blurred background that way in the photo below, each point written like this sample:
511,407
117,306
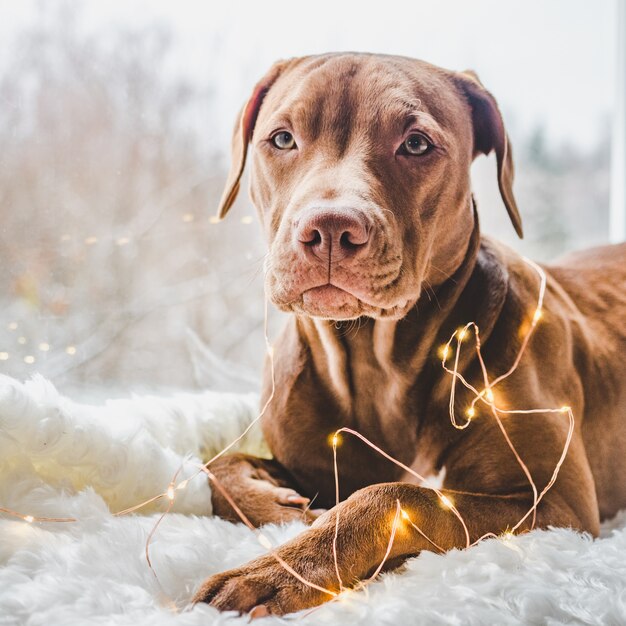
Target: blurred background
115,122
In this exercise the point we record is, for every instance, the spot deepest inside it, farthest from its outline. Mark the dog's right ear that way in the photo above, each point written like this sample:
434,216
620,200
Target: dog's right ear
242,133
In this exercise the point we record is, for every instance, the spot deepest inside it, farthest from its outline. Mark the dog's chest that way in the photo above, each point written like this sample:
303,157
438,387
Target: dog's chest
387,421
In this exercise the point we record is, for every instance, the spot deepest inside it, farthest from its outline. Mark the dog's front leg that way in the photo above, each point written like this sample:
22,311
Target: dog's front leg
364,529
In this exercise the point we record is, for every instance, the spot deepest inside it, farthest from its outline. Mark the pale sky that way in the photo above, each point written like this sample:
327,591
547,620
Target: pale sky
546,61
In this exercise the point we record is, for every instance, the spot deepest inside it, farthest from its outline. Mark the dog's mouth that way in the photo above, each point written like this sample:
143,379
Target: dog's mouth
344,291
328,299
331,302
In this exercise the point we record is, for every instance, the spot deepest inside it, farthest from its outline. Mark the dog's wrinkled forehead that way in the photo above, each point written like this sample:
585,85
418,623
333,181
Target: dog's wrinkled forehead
343,96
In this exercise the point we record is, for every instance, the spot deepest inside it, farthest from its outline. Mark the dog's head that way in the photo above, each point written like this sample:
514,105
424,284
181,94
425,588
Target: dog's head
360,173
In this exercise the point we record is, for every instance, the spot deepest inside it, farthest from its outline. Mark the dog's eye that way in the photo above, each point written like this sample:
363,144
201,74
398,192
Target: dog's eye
284,140
415,144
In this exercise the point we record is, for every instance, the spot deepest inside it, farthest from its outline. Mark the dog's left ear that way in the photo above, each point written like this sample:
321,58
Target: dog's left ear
490,134
242,134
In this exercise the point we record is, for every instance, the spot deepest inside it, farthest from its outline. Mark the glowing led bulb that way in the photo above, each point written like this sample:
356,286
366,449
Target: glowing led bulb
247,219
537,316
170,493
264,541
566,409
405,515
462,333
446,501
29,518
444,351
44,347
71,350
334,439
489,395
470,412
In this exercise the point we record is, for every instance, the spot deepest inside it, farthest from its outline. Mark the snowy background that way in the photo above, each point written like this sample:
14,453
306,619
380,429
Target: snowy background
115,121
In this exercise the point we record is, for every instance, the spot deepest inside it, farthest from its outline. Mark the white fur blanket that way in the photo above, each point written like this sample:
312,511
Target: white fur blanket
59,458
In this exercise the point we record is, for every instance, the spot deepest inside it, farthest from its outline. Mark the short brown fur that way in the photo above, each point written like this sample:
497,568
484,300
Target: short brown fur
425,271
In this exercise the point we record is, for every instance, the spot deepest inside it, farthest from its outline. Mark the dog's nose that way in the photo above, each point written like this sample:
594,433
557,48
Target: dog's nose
333,234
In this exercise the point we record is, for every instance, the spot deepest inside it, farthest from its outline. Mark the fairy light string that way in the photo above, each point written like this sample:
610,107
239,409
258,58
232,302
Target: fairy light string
484,397
170,494
335,441
29,519
394,530
407,518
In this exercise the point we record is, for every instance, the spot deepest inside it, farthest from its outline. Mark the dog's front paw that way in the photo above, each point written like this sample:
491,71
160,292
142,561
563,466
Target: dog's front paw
327,556
261,587
259,489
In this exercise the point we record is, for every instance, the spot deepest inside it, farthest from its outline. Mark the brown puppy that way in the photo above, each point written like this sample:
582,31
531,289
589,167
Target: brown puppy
361,179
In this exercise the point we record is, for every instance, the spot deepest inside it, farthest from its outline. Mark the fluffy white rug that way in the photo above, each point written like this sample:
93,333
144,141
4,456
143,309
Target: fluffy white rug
59,458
